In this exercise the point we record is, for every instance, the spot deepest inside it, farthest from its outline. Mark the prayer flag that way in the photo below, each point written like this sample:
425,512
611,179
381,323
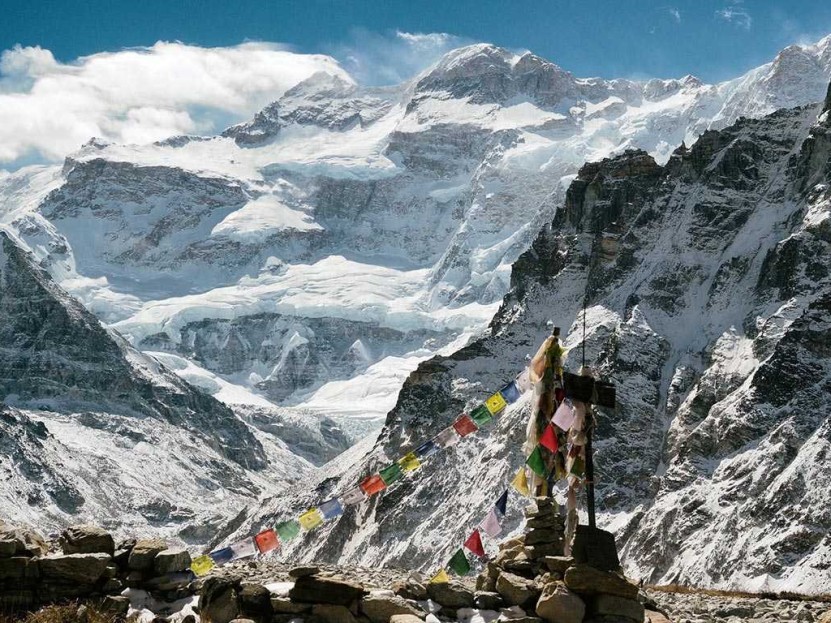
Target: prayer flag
448,437
311,519
373,484
202,565
331,508
267,541
548,439
288,529
459,564
391,473
464,425
492,525
221,556
578,467
243,549
426,449
537,463
481,415
353,496
564,416
496,403
409,462
510,392
559,394
523,381
502,503
520,482
440,578
474,544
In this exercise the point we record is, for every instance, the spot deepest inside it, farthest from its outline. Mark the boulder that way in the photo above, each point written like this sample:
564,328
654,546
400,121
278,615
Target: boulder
281,605
218,600
22,542
450,594
314,589
18,570
171,561
516,590
525,568
487,600
543,536
559,564
117,605
587,580
144,553
255,602
517,541
537,552
404,618
86,540
410,589
328,613
614,606
557,604
74,569
379,607
303,571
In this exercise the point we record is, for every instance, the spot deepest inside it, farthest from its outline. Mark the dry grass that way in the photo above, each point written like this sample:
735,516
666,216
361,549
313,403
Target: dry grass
66,613
710,592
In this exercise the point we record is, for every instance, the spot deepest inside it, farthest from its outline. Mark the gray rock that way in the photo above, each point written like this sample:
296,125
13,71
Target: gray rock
74,569
586,580
144,552
25,542
86,539
558,564
612,605
329,613
116,604
171,561
281,605
404,618
255,602
557,604
303,571
450,594
487,600
218,600
516,590
378,608
410,589
326,590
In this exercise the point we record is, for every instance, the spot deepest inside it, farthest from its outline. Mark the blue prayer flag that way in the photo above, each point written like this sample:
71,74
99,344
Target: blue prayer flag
502,503
510,392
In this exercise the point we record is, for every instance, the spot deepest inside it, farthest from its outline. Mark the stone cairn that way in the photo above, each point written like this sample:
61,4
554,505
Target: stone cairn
91,566
531,574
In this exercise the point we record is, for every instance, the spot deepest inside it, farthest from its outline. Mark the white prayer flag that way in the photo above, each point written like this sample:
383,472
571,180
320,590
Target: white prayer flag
491,525
564,416
353,496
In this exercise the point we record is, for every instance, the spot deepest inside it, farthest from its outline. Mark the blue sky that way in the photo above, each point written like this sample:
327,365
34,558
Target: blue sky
141,71
713,39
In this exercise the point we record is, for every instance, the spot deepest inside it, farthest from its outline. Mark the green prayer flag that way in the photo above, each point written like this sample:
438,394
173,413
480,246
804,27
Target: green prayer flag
578,467
390,474
288,530
459,564
481,415
536,463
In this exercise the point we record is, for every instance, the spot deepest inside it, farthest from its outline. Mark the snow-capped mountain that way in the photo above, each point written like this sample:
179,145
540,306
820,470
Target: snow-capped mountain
314,255
302,264
708,287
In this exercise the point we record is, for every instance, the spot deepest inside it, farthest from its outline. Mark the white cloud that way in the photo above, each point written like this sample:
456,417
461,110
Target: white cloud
735,13
383,59
49,109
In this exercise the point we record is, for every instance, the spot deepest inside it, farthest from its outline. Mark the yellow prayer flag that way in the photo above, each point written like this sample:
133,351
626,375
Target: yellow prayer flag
496,403
409,462
311,519
440,578
520,482
202,565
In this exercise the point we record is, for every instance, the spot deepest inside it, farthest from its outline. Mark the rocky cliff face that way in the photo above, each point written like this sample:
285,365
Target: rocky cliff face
707,290
90,427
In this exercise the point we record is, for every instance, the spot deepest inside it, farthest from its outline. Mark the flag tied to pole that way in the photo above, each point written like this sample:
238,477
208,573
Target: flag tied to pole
537,463
353,496
311,519
548,439
221,556
465,426
331,508
243,549
481,415
492,526
474,544
496,403
409,462
520,482
391,473
288,530
202,565
448,437
267,541
426,449
459,564
373,484
564,416
502,503
440,578
510,392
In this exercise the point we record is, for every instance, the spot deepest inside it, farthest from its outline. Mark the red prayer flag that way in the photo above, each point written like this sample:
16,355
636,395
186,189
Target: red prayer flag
559,394
465,425
266,541
549,438
474,544
373,484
